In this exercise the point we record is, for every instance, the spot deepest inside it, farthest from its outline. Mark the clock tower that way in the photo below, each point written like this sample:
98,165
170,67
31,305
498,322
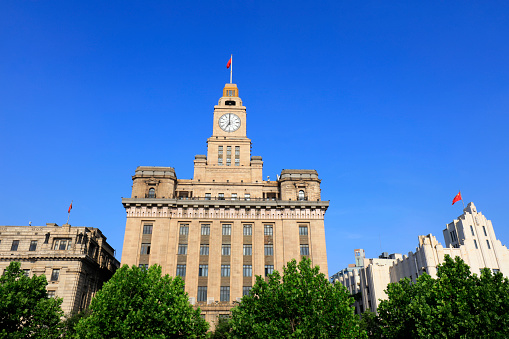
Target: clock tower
229,148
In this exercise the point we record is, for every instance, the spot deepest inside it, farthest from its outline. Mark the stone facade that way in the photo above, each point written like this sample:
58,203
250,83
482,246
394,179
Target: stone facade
75,260
470,237
226,225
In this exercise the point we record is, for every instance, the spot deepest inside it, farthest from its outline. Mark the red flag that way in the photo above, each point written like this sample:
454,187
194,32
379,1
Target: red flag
229,63
457,198
70,208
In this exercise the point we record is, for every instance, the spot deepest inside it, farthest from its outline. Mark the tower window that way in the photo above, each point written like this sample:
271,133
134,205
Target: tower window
181,270
145,248
182,249
248,249
202,293
484,229
55,274
230,102
228,161
230,92
472,230
147,229
303,230
475,243
15,244
488,243
304,249
207,196
267,229
220,155
234,196
248,230
204,249
203,271
184,229
301,195
247,196
226,249
33,245
247,271
225,293
269,250
245,290
220,196
225,270
205,229
151,193
227,229
269,269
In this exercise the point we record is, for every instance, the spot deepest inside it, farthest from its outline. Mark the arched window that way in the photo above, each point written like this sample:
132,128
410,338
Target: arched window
152,193
301,195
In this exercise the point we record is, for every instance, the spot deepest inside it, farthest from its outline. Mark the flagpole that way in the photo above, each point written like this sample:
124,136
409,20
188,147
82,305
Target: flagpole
231,67
462,201
69,213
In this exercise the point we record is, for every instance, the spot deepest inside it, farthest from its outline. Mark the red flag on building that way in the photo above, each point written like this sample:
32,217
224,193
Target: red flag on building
70,208
229,63
457,198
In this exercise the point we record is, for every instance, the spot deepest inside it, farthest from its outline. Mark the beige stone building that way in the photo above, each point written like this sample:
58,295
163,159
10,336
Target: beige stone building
470,237
75,260
226,225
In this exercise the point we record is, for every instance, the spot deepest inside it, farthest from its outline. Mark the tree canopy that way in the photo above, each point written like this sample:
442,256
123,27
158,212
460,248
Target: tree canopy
140,303
25,309
300,304
457,304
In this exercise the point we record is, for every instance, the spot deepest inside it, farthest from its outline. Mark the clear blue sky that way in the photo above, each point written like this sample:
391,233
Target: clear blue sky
396,105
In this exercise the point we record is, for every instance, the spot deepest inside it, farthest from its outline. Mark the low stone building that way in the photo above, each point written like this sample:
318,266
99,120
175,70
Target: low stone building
75,260
471,237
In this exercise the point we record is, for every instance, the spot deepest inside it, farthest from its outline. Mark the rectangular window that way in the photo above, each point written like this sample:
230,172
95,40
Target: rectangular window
484,229
246,290
248,250
203,271
304,249
147,228
55,274
227,229
51,294
205,229
248,230
495,271
220,155
228,150
453,236
62,244
202,293
182,250
225,293
267,229
181,270
26,272
220,196
228,161
488,243
204,249
143,266
226,249
234,196
472,230
303,230
269,269
237,150
247,271
237,162
184,229
247,196
15,244
145,248
269,250
207,196
33,245
475,243
225,270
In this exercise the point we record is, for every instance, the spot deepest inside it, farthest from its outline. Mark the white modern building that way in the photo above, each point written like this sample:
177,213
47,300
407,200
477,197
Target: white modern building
470,237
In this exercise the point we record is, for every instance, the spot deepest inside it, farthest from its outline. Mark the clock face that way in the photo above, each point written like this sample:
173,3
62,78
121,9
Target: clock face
229,122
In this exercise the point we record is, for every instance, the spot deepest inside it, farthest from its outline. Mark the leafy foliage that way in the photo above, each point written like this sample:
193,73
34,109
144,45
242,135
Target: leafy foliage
25,309
71,320
457,304
222,330
139,303
301,304
370,323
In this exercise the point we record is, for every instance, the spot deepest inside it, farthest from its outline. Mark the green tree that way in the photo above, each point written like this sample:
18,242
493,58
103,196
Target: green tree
370,324
457,304
25,309
301,304
222,330
139,303
71,320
